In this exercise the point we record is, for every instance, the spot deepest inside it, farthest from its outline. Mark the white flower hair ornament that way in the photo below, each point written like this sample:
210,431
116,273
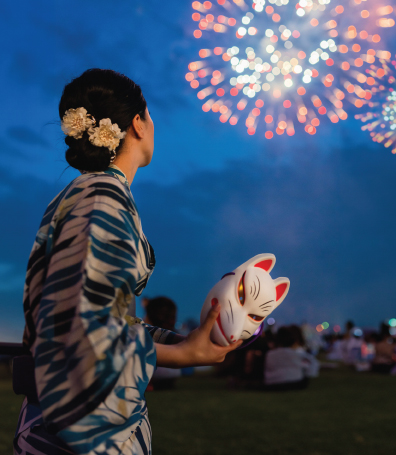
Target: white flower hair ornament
76,121
246,296
107,134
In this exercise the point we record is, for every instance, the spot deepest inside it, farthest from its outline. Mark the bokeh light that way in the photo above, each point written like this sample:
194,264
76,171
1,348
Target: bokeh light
286,64
357,332
323,326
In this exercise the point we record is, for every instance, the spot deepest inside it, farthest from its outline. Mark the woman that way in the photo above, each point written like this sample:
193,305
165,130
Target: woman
90,255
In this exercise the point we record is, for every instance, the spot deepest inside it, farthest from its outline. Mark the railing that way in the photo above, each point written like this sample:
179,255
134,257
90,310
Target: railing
13,349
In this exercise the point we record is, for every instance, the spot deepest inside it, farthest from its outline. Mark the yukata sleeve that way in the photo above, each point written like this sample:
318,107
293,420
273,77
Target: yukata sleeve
163,336
83,343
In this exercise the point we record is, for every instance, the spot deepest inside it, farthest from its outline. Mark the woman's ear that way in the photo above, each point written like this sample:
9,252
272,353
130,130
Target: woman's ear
138,127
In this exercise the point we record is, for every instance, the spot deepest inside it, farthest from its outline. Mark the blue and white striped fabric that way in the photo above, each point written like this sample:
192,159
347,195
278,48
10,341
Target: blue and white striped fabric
91,368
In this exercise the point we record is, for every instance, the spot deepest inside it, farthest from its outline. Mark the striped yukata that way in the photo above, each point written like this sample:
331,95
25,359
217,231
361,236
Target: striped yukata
91,367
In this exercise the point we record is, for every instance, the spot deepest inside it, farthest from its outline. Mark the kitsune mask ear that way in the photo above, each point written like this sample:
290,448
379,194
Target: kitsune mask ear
264,261
282,286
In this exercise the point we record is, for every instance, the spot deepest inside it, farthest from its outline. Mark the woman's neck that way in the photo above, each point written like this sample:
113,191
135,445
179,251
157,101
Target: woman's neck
127,168
129,158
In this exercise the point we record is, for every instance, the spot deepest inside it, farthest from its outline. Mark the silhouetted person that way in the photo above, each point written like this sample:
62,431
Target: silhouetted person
385,352
162,311
349,325
285,367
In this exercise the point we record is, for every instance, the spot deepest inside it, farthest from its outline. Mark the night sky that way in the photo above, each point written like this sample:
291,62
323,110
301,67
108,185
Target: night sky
213,196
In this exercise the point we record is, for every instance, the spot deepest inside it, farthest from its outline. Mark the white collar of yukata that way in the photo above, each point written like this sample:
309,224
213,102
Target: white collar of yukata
116,171
113,170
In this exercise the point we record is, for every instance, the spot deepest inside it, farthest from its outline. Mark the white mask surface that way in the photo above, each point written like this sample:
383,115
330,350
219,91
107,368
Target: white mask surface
246,296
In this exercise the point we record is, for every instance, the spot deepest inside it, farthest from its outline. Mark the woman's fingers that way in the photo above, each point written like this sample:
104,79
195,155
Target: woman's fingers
218,353
227,349
211,318
222,351
233,346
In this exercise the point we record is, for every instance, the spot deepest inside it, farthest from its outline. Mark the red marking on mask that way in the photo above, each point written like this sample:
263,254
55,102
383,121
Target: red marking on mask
232,336
266,265
218,320
280,290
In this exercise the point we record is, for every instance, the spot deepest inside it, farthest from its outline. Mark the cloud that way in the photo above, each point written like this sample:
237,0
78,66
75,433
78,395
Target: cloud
26,135
47,50
9,150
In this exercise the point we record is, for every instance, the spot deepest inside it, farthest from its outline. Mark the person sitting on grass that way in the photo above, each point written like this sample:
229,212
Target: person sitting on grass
385,352
285,367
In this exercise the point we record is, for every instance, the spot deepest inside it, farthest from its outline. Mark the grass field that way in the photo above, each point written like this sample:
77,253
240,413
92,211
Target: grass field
342,412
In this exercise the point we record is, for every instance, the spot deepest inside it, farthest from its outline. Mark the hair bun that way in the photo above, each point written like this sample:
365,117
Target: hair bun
85,156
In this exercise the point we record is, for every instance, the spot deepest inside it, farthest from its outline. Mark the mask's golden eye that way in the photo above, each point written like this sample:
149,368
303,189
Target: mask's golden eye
241,290
256,318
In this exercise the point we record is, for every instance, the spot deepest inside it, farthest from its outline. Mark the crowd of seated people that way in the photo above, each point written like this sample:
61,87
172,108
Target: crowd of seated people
276,360
279,361
371,351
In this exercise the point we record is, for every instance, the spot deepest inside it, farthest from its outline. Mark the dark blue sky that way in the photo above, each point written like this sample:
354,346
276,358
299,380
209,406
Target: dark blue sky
213,196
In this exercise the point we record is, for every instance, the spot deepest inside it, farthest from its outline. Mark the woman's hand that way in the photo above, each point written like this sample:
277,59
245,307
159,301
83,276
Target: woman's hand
197,349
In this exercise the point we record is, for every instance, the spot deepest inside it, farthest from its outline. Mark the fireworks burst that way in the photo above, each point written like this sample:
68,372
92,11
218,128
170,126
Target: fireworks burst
277,63
380,119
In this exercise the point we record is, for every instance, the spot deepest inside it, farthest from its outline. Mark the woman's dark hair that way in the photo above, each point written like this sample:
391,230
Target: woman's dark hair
104,94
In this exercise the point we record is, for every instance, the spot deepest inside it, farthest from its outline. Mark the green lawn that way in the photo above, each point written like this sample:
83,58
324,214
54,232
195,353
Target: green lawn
9,411
342,412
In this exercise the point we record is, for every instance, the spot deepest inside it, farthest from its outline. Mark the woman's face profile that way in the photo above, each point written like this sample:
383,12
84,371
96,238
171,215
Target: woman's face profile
148,138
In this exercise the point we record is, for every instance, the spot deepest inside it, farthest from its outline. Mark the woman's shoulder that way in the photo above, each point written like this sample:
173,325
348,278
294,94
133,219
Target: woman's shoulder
99,180
89,190
101,187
